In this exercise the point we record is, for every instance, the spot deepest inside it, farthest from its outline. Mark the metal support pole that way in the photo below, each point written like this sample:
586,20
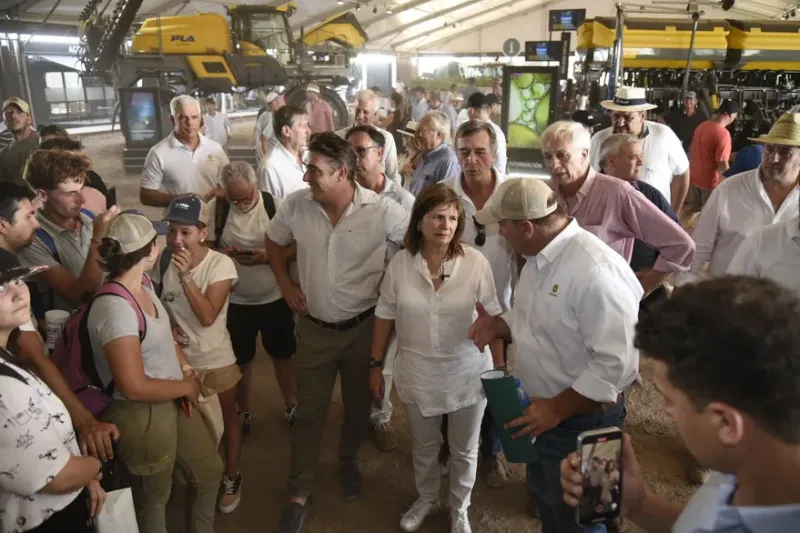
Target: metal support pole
695,20
615,76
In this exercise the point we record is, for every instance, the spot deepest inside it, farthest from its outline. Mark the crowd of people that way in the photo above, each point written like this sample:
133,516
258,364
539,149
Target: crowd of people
390,255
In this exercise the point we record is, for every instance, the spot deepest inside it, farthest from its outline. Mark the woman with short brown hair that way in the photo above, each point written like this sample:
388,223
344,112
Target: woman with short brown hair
429,295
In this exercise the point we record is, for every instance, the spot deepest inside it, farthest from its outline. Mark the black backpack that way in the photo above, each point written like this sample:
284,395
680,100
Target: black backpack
223,209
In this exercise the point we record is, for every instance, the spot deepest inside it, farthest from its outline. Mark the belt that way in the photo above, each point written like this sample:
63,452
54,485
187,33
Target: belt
344,325
604,408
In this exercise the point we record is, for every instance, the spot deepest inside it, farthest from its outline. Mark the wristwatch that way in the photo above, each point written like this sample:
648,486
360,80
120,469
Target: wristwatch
374,363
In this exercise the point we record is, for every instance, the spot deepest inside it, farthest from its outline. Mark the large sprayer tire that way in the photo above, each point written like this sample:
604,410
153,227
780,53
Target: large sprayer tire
297,97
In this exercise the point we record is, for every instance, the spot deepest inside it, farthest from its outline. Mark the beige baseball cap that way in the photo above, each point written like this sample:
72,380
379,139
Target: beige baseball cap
133,231
518,199
19,102
312,87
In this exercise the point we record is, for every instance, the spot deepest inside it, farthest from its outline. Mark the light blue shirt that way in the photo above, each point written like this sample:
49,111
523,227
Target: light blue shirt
437,165
419,109
710,512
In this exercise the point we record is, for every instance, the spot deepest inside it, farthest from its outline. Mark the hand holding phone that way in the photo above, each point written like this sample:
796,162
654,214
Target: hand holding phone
600,453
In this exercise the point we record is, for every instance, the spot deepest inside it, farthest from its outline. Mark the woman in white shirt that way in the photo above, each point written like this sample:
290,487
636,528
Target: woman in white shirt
196,289
46,486
429,295
154,388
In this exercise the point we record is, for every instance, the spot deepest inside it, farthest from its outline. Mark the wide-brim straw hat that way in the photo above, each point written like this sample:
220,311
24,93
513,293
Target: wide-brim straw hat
628,99
785,131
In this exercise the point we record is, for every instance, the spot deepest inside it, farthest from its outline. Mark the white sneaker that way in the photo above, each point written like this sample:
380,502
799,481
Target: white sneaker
413,518
459,521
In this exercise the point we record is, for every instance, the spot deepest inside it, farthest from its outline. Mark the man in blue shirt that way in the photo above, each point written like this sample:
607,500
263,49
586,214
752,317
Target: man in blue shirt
726,355
439,160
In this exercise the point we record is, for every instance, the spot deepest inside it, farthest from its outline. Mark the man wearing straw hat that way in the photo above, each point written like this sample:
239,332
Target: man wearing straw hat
666,166
749,201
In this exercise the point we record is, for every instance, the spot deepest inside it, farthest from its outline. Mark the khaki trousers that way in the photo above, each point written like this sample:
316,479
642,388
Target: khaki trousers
322,354
155,438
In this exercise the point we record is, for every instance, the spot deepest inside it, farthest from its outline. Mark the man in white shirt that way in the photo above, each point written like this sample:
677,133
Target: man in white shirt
748,201
665,164
281,173
366,114
572,324
367,142
218,125
478,109
727,360
185,162
345,236
264,134
476,146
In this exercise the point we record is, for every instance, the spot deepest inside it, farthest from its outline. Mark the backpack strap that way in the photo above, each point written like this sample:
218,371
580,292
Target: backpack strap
88,213
163,266
269,204
6,370
48,242
221,212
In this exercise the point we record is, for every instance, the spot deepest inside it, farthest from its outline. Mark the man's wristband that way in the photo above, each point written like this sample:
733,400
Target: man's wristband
374,363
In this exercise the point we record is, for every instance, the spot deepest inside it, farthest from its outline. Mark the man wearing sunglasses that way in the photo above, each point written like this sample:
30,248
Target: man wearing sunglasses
368,144
476,146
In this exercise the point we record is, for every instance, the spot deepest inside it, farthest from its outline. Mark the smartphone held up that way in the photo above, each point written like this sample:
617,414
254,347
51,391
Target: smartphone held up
601,472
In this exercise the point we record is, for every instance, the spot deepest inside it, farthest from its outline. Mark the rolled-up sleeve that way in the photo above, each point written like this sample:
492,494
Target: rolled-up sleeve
280,228
705,237
607,306
487,293
31,452
387,300
396,220
650,225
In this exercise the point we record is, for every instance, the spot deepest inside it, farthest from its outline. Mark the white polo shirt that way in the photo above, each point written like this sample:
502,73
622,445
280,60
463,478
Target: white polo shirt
340,266
573,319
172,166
397,193
218,127
501,154
737,207
389,159
772,252
664,157
280,174
496,249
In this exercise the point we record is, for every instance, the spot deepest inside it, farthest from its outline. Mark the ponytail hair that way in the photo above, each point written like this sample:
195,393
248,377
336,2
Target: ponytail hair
115,262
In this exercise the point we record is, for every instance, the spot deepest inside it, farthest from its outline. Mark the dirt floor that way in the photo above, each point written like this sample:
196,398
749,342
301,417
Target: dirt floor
388,477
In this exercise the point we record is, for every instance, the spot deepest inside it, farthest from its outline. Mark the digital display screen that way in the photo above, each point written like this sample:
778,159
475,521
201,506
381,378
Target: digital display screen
600,470
543,50
529,100
566,19
142,116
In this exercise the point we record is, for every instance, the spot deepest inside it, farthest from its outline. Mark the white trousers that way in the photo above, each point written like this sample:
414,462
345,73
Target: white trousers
463,431
382,412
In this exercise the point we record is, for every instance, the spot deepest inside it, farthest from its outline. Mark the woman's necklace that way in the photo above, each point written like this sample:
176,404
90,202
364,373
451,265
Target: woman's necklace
439,273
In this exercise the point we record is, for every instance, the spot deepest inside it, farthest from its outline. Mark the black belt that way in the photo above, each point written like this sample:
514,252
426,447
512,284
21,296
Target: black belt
350,323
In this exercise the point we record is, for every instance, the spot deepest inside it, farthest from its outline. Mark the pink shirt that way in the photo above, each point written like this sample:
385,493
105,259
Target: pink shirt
320,116
618,214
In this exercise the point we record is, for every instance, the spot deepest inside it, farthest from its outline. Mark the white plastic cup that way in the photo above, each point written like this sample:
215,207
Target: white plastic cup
54,321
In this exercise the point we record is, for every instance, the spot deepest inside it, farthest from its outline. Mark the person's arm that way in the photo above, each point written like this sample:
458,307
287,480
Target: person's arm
679,165
264,145
487,296
150,192
678,190
723,151
156,198
207,305
704,236
390,157
228,127
329,117
383,327
279,234
124,356
91,276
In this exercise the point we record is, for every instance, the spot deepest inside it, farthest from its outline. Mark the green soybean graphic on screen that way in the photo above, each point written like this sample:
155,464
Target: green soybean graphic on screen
528,109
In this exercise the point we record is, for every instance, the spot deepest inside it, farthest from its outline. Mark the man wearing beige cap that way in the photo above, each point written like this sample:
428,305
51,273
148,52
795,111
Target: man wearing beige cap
17,117
320,112
749,201
264,134
572,323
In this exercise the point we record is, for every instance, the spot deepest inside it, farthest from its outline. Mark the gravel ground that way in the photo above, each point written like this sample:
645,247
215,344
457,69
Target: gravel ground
388,477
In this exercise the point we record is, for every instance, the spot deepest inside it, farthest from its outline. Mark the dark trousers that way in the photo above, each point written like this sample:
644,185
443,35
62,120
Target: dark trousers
544,476
73,518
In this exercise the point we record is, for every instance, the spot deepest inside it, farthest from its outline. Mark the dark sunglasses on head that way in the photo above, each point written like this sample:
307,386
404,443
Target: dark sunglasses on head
480,238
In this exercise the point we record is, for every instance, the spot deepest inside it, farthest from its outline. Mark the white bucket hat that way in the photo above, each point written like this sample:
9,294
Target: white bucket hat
628,99
785,131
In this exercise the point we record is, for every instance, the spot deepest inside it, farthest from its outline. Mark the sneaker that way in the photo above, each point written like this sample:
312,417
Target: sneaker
293,516
247,422
494,474
459,521
350,481
290,413
230,493
384,438
413,518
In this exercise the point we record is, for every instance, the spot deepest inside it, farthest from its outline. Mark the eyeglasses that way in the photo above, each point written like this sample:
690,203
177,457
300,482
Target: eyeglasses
361,152
480,238
241,201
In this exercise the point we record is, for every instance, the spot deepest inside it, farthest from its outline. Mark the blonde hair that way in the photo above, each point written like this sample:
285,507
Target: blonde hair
568,131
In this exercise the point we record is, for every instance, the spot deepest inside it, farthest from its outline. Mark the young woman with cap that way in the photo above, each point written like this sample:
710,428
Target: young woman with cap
45,484
196,290
154,388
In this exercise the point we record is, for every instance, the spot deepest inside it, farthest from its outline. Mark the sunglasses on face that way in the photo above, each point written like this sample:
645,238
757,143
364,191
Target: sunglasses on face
480,238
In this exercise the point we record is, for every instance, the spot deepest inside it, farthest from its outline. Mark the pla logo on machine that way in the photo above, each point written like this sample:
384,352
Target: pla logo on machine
183,38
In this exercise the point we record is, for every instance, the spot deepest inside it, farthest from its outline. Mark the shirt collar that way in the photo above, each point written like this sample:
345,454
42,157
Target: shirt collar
772,518
290,156
422,266
53,229
645,130
363,196
458,186
556,246
435,152
176,143
580,196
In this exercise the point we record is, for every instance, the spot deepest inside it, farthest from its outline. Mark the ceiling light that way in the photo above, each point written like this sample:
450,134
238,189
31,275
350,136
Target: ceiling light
340,2
388,10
